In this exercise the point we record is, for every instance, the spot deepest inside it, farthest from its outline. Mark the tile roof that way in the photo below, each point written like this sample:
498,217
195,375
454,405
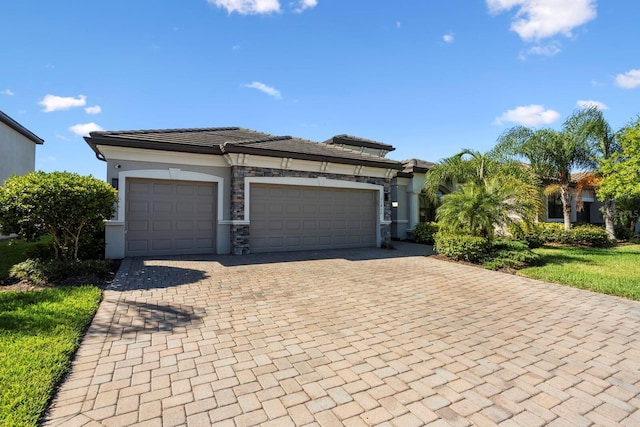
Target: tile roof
416,165
358,142
222,140
19,128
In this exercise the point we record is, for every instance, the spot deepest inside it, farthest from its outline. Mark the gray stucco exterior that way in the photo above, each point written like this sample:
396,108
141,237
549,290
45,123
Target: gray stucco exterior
17,148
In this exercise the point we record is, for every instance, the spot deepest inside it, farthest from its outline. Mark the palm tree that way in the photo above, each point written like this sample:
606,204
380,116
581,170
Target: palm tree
488,193
552,155
590,126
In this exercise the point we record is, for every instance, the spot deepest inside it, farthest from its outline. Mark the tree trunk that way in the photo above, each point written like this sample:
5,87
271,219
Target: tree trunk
609,215
565,197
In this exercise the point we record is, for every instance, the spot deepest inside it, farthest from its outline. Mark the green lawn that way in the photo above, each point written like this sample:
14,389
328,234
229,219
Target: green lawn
614,271
39,333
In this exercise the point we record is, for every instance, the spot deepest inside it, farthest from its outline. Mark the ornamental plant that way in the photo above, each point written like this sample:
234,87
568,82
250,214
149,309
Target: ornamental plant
65,205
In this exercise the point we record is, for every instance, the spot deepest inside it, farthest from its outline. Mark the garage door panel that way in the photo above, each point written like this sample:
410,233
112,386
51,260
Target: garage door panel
184,226
169,217
138,226
161,226
162,188
303,218
138,245
185,208
162,208
139,206
160,244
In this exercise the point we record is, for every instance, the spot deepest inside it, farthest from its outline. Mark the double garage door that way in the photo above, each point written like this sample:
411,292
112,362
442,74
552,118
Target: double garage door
170,217
292,218
165,217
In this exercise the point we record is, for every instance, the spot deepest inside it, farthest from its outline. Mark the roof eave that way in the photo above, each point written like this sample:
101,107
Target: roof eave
94,141
20,129
230,148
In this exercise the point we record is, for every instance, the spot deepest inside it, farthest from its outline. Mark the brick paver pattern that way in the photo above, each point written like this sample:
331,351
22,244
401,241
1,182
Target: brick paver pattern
355,338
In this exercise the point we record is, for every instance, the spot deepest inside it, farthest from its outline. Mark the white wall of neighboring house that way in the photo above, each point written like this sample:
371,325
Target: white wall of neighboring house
17,148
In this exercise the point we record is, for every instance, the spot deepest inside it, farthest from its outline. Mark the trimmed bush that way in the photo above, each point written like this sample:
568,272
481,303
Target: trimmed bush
461,247
41,272
510,254
554,232
588,235
423,232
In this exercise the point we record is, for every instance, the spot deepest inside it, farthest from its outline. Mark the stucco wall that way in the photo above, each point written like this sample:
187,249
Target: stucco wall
17,153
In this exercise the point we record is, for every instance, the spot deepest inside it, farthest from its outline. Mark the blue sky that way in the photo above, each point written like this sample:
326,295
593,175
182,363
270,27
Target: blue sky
428,77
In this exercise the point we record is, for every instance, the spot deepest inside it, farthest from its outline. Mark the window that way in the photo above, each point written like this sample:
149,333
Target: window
554,206
427,210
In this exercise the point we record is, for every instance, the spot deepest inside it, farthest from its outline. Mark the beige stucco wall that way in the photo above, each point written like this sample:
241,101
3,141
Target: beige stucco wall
17,153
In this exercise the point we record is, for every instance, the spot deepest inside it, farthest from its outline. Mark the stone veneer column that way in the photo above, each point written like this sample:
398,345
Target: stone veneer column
239,233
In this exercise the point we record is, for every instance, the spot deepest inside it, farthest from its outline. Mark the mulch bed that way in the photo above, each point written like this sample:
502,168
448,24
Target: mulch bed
99,280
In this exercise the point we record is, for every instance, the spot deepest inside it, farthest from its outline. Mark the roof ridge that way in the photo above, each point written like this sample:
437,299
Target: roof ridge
171,130
253,141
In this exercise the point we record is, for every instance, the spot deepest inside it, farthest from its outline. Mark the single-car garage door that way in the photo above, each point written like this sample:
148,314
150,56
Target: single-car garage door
169,217
291,218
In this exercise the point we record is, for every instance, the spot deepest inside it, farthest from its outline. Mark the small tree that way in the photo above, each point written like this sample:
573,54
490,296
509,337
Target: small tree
621,171
489,193
62,204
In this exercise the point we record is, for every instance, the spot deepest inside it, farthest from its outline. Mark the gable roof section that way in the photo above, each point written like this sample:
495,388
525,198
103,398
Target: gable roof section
223,140
19,128
416,165
355,141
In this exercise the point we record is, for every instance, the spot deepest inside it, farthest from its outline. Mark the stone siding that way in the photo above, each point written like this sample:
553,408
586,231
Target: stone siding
240,234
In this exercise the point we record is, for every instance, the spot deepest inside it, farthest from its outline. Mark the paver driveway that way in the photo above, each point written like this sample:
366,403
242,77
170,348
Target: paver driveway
358,337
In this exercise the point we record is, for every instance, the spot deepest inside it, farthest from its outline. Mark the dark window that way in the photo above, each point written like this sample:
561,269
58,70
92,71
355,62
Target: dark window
427,211
554,206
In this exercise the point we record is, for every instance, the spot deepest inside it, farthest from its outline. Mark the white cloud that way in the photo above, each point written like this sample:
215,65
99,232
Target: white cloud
248,7
93,110
530,115
448,38
540,19
306,4
264,88
629,80
545,49
398,24
591,103
7,92
58,103
84,128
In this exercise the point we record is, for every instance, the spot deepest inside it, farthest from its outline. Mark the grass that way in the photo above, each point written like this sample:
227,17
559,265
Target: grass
13,251
39,333
613,271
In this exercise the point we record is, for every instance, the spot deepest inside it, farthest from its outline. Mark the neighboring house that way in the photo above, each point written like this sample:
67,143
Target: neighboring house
234,190
410,206
590,212
17,148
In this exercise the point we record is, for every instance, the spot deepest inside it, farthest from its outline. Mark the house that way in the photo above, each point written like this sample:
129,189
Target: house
234,190
17,148
410,206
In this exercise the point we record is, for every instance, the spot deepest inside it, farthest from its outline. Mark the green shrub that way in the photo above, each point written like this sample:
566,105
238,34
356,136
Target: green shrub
41,272
41,251
623,232
461,247
423,232
510,254
588,235
550,232
525,232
